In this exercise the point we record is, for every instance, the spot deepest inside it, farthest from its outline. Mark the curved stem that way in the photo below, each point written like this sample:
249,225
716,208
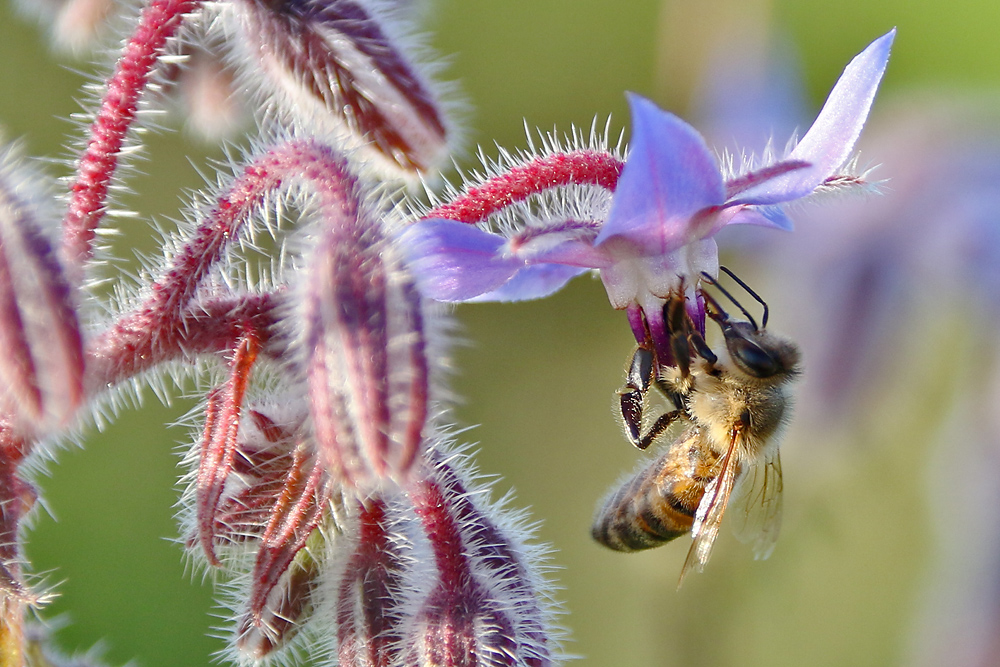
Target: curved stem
550,171
120,354
159,21
162,321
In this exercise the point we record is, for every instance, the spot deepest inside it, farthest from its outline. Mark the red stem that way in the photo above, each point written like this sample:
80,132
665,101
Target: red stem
560,169
157,328
159,21
121,354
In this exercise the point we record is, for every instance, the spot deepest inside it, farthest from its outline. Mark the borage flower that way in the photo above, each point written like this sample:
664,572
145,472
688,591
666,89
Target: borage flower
656,231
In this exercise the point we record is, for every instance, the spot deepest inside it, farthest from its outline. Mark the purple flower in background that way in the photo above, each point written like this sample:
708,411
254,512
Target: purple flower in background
656,231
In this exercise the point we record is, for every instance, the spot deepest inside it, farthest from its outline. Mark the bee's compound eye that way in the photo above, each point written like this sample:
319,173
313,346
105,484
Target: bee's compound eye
751,357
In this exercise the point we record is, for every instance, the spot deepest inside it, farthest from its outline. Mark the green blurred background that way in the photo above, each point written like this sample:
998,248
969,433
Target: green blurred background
843,584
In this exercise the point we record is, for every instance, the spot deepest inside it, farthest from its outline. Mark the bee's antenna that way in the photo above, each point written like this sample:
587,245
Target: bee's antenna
749,291
715,304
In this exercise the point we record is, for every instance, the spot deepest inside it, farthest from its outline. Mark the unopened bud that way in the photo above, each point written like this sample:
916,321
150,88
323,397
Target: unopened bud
42,364
372,594
486,607
365,350
335,65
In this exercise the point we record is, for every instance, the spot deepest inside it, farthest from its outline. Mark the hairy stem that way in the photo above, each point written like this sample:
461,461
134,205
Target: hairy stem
560,169
160,21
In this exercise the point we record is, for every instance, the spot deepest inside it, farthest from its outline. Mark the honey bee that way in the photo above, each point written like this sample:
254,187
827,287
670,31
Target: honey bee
731,409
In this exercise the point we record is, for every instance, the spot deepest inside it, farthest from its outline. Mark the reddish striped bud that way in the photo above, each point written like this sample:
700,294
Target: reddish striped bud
260,496
371,595
336,66
485,607
42,365
365,350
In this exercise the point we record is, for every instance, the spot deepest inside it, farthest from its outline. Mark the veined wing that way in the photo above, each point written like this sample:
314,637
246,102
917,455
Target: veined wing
756,513
713,505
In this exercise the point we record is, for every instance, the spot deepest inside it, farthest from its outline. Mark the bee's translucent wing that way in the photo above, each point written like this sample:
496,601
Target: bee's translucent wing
756,513
708,518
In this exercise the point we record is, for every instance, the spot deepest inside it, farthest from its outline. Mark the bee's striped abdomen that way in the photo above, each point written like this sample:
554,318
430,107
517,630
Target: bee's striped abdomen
656,505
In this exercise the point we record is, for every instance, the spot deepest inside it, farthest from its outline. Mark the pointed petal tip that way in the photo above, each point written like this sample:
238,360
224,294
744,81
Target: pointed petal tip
830,141
670,174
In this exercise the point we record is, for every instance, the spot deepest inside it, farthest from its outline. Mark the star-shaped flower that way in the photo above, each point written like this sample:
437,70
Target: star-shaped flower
657,232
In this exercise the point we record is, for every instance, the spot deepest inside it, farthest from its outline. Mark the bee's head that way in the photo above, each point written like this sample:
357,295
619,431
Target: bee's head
758,353
752,349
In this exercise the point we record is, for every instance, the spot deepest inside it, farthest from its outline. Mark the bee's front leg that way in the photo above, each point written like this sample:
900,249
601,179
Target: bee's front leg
632,397
637,381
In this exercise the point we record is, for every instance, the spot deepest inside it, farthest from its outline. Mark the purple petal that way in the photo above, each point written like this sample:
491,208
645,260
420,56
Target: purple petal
556,250
757,180
533,282
670,175
830,141
764,216
453,261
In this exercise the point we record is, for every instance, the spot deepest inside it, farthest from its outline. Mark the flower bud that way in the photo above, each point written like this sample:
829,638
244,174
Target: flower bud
42,365
365,349
371,595
486,606
336,66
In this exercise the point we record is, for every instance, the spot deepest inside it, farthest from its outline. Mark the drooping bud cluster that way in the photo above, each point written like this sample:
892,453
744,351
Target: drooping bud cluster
327,501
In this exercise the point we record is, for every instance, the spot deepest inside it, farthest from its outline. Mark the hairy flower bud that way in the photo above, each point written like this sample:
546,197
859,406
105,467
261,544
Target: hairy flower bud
486,606
336,65
371,595
365,348
263,458
42,365
280,605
